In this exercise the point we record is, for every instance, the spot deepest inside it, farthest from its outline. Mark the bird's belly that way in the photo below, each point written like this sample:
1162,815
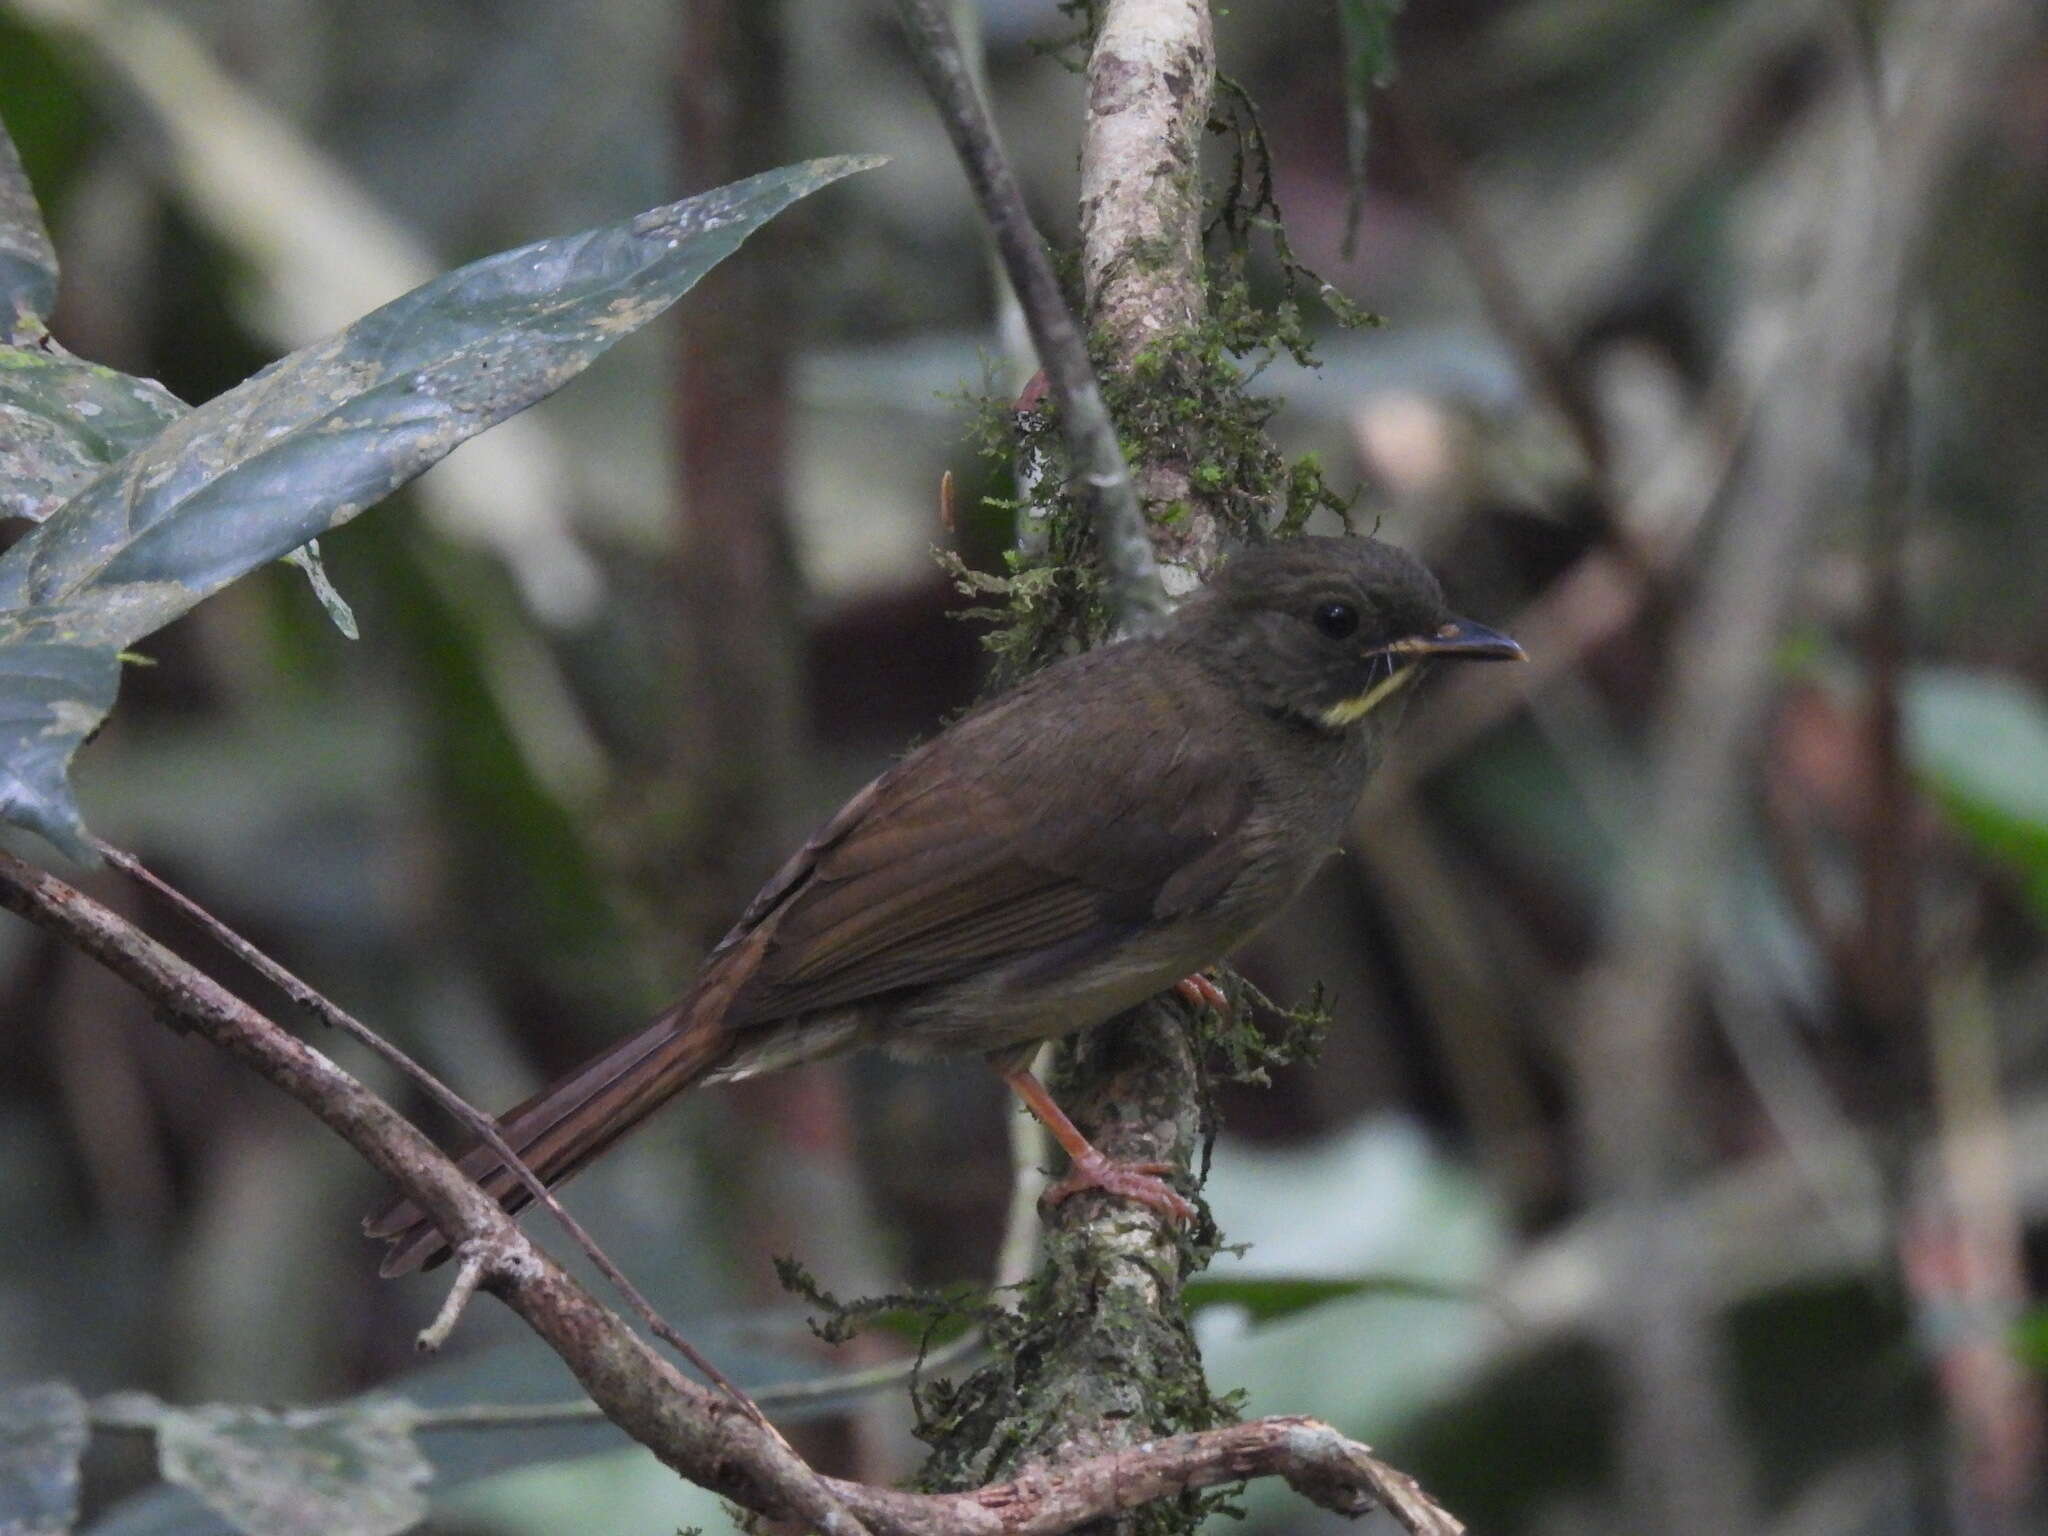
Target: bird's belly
1018,1001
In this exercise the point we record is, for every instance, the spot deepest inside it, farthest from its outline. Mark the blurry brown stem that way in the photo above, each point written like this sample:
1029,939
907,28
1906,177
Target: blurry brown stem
1677,1449
1441,179
472,1119
1887,971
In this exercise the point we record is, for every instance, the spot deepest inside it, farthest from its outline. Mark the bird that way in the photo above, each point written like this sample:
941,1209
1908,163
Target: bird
1118,821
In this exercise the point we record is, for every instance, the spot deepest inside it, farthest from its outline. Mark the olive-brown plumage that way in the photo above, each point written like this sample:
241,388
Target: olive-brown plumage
1076,845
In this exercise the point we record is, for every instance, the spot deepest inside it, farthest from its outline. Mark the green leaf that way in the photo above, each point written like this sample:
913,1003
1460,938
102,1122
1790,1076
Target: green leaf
42,1435
64,420
300,1472
28,262
52,696
325,433
1270,1297
1980,745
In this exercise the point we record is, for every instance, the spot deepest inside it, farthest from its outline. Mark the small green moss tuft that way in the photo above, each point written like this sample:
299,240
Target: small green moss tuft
919,1314
1257,1034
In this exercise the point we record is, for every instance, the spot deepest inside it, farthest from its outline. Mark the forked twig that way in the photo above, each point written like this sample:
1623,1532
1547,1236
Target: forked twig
334,1015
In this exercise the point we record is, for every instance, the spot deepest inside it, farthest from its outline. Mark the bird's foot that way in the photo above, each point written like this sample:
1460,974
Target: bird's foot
1201,991
1131,1181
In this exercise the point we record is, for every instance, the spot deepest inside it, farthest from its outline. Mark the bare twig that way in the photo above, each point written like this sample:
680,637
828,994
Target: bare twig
114,1414
478,1123
470,1269
1137,594
1029,1148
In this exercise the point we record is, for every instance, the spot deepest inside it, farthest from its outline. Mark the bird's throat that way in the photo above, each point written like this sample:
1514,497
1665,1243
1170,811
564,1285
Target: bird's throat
1350,711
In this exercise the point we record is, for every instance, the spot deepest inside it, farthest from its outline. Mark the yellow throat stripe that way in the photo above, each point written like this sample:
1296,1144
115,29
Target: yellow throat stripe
1348,711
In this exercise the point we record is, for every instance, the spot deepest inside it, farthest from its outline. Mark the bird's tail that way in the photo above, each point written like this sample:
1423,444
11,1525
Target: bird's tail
564,1126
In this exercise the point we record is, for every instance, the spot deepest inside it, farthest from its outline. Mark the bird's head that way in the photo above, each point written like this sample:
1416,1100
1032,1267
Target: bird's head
1327,632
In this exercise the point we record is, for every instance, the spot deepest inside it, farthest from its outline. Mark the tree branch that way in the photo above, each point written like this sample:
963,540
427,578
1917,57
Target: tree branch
1317,1462
472,1119
702,1434
1151,77
1137,594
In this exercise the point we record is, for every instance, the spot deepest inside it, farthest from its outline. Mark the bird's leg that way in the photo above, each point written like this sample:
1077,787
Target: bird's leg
1091,1170
1200,991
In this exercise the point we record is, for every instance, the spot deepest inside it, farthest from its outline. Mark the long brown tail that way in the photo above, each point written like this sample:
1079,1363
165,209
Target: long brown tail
564,1126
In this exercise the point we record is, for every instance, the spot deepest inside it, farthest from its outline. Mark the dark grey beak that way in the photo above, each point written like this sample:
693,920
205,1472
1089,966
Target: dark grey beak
1463,640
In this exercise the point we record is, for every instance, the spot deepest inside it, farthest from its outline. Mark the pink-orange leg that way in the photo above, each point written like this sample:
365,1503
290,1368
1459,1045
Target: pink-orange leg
1091,1170
1202,992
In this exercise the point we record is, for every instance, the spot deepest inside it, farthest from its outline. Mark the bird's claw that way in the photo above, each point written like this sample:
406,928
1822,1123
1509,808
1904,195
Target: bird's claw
1131,1181
1202,992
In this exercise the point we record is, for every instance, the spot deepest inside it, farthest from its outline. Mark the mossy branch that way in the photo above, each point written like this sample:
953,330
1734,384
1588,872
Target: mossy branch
1100,476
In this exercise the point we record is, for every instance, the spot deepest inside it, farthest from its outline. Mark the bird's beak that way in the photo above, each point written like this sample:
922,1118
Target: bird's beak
1455,640
1461,640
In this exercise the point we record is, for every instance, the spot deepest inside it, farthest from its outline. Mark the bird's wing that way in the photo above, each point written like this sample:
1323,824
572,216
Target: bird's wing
1059,820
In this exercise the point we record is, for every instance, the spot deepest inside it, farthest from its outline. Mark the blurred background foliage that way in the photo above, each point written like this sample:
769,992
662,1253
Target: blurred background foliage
618,655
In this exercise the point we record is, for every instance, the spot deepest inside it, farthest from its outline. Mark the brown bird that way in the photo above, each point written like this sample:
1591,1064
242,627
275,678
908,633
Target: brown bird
1118,821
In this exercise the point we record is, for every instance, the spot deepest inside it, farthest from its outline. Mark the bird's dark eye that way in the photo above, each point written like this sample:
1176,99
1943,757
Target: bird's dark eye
1337,620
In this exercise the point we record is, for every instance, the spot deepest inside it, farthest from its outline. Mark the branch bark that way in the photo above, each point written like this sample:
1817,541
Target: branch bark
1151,75
706,1436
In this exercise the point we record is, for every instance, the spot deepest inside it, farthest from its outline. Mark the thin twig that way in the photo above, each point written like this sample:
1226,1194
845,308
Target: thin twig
1137,594
118,1414
1029,1149
486,1130
469,1274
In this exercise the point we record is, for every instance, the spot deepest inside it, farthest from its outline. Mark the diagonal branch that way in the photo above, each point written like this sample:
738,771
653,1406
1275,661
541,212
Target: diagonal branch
702,1434
475,1121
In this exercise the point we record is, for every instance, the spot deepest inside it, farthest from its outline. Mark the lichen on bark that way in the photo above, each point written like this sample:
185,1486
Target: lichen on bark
1097,1354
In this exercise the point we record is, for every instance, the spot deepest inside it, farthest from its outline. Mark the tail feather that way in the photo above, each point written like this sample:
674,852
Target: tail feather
563,1127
